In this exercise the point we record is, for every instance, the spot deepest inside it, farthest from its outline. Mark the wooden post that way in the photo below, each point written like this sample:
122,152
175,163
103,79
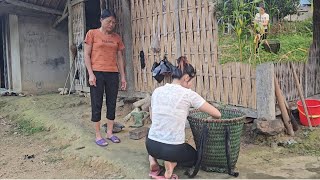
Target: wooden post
284,112
128,42
301,94
70,34
177,24
14,46
102,5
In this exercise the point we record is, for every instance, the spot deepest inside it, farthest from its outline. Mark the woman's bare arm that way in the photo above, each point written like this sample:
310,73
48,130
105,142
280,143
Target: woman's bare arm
211,110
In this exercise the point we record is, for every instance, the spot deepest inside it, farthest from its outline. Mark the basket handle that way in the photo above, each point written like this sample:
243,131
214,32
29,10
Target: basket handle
203,140
227,147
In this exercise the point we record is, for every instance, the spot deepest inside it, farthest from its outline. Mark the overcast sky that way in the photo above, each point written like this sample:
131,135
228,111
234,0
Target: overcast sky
304,1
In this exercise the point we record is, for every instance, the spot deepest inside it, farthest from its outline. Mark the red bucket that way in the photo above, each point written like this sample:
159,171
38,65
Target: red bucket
313,107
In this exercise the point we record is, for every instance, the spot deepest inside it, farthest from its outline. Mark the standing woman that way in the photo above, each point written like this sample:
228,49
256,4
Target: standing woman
104,61
262,19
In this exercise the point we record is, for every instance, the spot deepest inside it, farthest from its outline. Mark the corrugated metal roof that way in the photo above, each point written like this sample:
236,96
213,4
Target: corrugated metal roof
53,4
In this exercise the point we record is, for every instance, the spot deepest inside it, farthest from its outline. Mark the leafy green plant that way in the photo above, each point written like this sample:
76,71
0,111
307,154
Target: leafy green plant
241,22
275,8
242,45
294,47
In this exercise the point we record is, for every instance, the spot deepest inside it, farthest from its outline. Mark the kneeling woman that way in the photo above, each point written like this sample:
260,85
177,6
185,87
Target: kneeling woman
170,107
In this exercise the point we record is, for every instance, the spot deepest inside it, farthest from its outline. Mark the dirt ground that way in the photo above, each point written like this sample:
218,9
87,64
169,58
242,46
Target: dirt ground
51,136
30,157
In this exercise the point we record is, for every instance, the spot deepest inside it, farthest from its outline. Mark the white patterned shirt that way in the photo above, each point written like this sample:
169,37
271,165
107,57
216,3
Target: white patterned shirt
262,19
170,106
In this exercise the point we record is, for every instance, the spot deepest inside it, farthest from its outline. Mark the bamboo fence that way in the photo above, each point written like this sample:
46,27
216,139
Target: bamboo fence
309,78
188,28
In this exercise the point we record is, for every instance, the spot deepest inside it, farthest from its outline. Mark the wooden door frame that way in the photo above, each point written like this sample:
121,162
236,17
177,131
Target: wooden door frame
6,57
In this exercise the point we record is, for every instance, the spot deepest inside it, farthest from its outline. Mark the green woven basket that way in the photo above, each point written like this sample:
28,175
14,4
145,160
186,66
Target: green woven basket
221,132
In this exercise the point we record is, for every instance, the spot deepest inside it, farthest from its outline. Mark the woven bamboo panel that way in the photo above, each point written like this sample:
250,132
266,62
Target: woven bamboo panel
79,26
313,76
309,79
232,83
116,7
150,17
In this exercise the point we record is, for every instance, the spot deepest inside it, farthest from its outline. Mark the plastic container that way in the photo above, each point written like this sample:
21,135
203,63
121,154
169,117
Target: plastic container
313,107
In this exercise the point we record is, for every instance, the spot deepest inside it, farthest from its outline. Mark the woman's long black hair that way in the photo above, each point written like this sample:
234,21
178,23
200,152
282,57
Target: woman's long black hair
183,67
107,13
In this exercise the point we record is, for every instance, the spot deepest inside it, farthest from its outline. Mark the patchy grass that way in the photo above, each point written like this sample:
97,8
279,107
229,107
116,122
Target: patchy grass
293,47
308,143
25,126
295,40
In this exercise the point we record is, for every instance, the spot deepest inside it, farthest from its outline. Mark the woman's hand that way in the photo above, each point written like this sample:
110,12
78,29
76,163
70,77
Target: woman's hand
211,110
92,80
123,84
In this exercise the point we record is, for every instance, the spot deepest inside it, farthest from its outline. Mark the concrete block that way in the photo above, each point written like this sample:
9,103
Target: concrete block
265,91
138,133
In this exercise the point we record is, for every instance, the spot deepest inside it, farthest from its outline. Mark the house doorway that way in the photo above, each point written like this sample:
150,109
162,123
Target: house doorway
3,56
92,14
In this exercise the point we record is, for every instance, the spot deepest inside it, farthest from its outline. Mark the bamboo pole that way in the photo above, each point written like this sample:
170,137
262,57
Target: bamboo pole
283,109
294,122
177,24
300,93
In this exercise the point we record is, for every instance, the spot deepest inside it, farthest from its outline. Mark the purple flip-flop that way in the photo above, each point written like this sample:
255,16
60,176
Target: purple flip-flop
114,139
102,142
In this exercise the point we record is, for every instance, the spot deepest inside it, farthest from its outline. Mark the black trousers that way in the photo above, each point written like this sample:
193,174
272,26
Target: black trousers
184,154
264,36
108,83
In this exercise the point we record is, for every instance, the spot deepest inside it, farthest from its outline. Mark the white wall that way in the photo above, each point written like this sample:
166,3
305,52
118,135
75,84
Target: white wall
304,13
44,55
